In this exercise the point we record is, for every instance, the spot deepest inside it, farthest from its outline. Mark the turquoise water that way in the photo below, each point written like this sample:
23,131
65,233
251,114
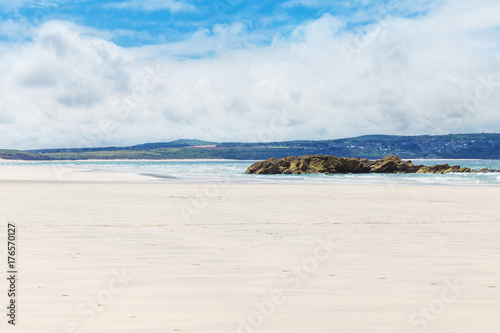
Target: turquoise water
234,171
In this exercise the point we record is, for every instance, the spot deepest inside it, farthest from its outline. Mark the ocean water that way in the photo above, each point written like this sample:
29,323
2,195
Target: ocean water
234,171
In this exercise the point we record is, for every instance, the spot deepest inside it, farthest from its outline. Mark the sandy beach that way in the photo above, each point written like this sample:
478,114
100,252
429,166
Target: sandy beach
124,253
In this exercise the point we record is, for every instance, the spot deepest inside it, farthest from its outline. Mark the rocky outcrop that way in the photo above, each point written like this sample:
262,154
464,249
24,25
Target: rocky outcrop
330,164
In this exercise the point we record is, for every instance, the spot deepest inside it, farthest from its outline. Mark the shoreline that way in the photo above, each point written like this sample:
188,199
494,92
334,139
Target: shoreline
132,160
59,173
226,160
218,160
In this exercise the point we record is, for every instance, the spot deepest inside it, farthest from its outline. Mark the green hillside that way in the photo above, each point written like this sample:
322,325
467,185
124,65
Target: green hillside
20,155
453,146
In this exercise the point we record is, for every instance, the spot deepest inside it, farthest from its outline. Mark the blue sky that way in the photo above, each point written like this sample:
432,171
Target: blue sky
141,22
93,73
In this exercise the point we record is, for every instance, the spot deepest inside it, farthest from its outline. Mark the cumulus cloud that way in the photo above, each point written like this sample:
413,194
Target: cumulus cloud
429,74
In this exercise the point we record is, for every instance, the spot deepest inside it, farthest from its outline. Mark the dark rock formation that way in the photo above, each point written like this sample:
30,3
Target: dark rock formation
330,164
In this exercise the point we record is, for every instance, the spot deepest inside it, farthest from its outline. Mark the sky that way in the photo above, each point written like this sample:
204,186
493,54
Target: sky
87,73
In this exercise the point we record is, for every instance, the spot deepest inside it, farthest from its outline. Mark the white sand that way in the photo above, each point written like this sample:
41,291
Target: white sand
395,252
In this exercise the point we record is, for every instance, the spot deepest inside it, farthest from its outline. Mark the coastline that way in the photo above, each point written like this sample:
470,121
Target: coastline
131,160
221,160
235,174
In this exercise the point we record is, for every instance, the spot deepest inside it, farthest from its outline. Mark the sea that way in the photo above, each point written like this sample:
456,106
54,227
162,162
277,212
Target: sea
233,171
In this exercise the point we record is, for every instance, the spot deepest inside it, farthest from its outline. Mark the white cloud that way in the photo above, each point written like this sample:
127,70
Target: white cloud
152,5
221,38
16,30
306,3
320,30
71,87
14,5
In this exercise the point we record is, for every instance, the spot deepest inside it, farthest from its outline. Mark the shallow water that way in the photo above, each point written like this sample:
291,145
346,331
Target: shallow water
234,171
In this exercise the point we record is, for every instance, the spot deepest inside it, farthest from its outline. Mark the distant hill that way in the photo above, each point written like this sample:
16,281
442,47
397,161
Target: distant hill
20,155
453,146
173,144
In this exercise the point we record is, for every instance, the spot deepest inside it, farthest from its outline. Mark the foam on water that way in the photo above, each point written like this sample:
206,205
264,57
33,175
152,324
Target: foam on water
234,171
